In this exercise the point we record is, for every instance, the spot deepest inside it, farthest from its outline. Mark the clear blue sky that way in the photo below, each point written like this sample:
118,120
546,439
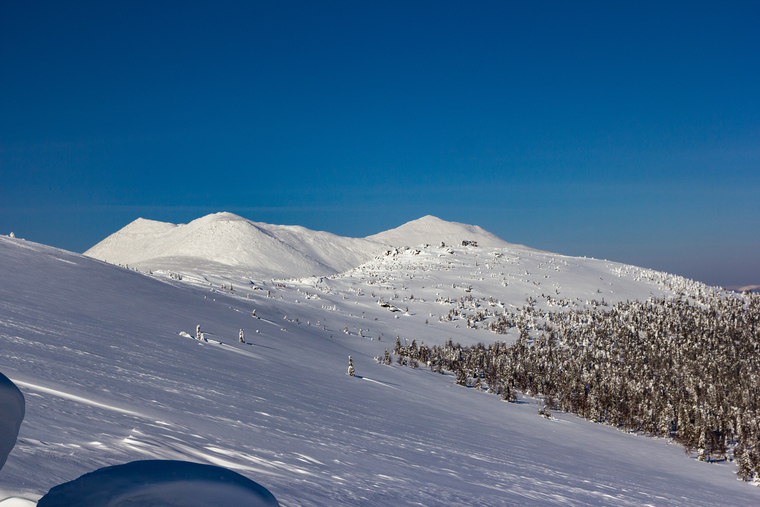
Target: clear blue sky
626,131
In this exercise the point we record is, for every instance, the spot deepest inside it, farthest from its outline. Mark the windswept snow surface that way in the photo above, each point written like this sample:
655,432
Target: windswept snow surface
108,378
11,415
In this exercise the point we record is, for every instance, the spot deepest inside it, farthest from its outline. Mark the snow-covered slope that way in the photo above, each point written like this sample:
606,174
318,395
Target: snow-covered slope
105,359
434,231
226,243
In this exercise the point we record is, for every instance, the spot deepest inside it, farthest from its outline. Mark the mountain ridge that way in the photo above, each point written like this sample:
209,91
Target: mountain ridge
267,250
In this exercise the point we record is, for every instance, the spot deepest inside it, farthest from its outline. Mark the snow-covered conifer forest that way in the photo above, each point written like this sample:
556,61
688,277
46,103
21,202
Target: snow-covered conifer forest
536,378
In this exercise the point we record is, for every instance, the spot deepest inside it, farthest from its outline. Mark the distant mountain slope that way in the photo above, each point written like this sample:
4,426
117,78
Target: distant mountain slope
433,231
224,243
227,240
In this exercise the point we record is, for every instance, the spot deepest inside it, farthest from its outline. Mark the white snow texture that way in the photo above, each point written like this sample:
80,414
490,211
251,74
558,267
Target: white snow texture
222,242
112,373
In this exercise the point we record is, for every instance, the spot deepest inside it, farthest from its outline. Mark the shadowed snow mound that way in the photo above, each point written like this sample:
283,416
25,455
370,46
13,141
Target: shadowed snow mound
12,409
159,483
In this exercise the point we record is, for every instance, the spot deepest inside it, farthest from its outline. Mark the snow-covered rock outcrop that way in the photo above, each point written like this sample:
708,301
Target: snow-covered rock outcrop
12,409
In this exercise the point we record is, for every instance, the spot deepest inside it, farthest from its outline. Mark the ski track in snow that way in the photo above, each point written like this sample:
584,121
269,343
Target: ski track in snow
108,379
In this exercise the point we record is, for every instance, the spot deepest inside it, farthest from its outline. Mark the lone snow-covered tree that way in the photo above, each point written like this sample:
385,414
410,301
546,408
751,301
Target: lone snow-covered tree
351,366
461,376
241,335
701,447
198,332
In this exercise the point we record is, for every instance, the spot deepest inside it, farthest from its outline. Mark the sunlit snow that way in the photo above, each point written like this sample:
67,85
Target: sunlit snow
112,372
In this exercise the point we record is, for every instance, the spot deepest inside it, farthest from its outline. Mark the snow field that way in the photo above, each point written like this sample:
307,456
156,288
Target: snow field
108,378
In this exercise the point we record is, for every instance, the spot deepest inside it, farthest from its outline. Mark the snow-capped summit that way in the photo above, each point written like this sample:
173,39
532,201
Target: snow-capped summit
220,241
433,230
225,242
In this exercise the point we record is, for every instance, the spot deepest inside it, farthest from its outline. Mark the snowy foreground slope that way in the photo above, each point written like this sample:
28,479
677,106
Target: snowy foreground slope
109,376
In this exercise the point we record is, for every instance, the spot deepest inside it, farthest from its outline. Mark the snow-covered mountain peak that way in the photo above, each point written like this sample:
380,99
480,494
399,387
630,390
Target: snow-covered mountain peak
224,243
433,230
222,216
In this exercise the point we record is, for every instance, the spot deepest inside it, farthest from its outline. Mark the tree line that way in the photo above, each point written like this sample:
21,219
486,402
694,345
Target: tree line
678,368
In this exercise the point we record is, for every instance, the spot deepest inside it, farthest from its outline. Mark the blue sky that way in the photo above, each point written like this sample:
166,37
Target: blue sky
626,131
